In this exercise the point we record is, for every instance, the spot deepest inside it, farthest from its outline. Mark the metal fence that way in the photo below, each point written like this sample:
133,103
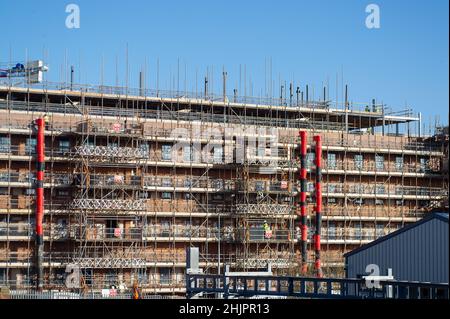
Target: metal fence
72,295
246,286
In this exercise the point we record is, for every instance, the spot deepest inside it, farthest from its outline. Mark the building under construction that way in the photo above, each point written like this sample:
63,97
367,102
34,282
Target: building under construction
117,183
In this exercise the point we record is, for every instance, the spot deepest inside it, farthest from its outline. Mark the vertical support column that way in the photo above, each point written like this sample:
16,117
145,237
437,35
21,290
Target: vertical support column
420,124
318,191
346,108
302,200
224,74
141,83
40,166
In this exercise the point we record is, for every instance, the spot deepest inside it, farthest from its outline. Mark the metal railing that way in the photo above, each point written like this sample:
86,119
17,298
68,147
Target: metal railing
177,95
257,234
18,294
168,115
30,178
390,167
304,287
397,212
381,189
27,202
25,150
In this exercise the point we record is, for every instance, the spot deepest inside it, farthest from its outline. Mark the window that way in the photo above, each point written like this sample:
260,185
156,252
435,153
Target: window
310,158
113,144
166,195
3,276
30,177
63,193
331,200
30,145
188,183
399,202
64,146
165,228
30,191
187,154
331,231
111,278
399,163
166,153
331,188
166,182
331,161
358,231
259,186
142,195
218,155
309,187
145,149
164,276
142,277
379,230
358,188
358,161
5,144
422,165
4,176
380,189
88,275
379,162
379,202
217,184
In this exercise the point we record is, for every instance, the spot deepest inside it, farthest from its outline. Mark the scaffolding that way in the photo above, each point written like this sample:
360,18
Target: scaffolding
130,182
107,208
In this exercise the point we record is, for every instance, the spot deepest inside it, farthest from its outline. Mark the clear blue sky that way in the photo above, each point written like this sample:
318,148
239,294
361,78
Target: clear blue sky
406,61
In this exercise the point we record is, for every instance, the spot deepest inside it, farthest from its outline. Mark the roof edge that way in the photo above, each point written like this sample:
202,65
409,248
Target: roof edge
443,216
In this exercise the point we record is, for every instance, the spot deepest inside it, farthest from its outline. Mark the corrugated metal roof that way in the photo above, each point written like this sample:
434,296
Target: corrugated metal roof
442,216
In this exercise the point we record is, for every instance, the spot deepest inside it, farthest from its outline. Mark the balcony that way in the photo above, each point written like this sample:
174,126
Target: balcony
28,179
376,143
25,202
264,186
188,183
25,231
100,232
351,235
188,232
25,150
259,235
108,181
398,212
112,128
369,168
382,191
